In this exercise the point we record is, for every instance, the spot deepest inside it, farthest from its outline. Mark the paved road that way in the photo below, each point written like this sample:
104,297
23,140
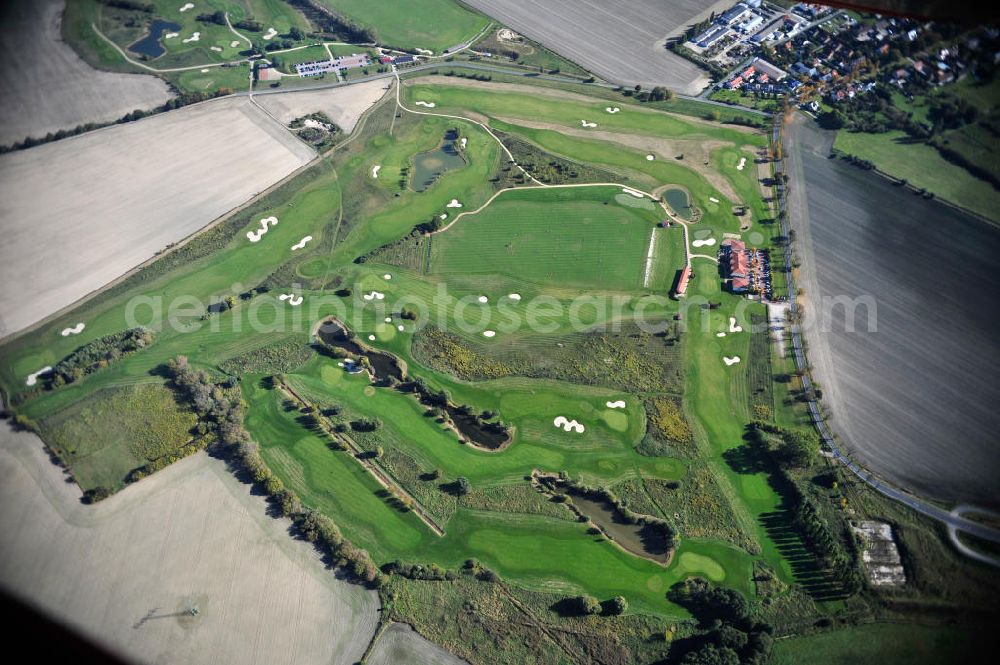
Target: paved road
795,205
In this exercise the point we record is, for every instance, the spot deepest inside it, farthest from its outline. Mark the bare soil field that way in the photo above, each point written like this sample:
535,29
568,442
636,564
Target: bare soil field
44,84
912,390
343,105
399,643
78,213
622,41
127,571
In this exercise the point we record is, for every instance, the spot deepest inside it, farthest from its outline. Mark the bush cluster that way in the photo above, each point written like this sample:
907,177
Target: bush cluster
98,354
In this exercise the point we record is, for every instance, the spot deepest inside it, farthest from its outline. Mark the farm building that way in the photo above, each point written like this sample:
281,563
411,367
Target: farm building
682,282
402,59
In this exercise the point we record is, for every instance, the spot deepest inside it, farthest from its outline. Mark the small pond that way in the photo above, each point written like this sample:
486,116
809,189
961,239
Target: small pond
679,202
429,166
640,539
150,44
383,364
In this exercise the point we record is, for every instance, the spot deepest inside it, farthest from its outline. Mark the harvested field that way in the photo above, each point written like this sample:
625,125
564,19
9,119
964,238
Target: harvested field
401,644
125,571
342,105
98,204
915,400
622,42
44,84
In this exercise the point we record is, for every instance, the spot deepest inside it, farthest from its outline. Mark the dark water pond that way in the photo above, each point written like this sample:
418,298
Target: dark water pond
679,202
913,389
428,166
383,364
150,44
636,538
487,435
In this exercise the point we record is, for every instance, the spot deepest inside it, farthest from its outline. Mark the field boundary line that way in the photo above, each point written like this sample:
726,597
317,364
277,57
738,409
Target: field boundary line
383,477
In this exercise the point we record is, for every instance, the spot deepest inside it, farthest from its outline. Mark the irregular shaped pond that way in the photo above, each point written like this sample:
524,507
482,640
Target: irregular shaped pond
429,166
679,202
150,44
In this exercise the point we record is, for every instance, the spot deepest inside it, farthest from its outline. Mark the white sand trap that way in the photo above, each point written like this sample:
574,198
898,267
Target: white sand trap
568,425
375,170
720,334
454,204
234,43
713,199
464,142
388,319
271,32
514,296
425,51
400,327
265,224
292,299
743,162
386,276
489,333
483,299
732,325
703,243
371,338
171,35
429,105
186,6
610,109
650,158
75,330
193,38
217,49
617,404
588,124
730,361
33,378
374,295
443,215
302,243
204,71
633,192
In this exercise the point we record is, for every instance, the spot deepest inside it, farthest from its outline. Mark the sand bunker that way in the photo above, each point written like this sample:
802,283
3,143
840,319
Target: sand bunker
292,299
483,299
732,325
429,105
386,276
730,361
568,425
489,333
302,243
374,295
271,32
234,43
193,38
743,162
618,404
375,170
204,71
75,330
514,296
703,243
388,319
171,35
610,109
720,334
454,204
588,124
633,192
713,199
443,215
650,158
265,224
187,6
371,338
33,378
464,142
400,327
217,49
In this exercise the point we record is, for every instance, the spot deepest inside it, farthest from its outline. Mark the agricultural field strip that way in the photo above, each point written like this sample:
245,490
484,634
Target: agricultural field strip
383,477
